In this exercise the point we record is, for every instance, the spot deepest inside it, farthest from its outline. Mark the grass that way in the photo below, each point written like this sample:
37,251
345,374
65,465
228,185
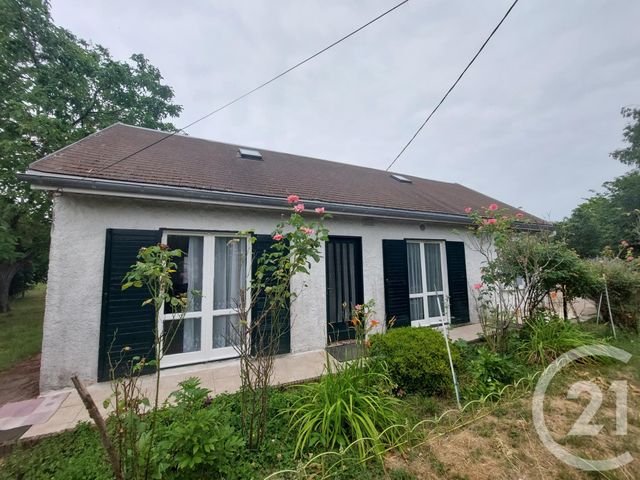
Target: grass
22,328
504,443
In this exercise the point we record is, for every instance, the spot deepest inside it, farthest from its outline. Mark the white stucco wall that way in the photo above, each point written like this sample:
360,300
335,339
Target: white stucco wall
73,303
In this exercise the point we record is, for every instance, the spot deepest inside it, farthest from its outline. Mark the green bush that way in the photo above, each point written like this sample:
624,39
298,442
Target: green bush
351,403
623,284
417,359
68,455
79,454
545,337
202,443
489,372
195,437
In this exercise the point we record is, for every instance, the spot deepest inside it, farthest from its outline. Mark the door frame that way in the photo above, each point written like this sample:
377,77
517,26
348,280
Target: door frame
430,321
359,285
206,353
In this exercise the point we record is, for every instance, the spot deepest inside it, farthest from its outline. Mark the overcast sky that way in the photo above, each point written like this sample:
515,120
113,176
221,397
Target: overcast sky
531,123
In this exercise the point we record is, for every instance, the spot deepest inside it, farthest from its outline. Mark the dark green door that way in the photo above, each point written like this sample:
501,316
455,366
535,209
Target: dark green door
344,285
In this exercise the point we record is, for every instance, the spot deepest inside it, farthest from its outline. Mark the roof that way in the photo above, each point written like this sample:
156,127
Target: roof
193,163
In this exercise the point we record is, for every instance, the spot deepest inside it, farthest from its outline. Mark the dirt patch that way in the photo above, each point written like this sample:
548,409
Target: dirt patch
21,381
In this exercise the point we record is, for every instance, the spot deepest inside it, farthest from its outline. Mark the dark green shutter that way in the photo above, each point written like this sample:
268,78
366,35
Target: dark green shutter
125,322
268,327
458,289
396,282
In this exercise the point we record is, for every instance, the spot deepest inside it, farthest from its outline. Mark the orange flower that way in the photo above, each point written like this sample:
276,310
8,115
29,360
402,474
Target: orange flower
374,323
355,322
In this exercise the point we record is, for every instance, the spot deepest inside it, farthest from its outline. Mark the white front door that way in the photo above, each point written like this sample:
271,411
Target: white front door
213,271
428,289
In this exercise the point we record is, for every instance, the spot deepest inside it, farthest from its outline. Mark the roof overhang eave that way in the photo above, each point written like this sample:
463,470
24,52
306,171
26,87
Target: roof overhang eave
77,184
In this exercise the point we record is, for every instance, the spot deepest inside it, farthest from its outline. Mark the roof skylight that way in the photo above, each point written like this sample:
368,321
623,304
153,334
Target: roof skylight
249,153
400,178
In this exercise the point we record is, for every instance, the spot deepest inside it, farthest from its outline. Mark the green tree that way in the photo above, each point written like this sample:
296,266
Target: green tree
608,218
586,229
54,90
630,155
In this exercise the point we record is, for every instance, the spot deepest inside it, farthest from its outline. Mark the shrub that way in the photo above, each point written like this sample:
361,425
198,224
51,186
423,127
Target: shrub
489,372
623,284
545,337
351,403
276,452
417,359
195,437
201,443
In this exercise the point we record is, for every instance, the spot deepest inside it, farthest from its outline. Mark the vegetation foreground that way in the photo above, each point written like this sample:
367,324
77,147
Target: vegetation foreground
420,433
22,328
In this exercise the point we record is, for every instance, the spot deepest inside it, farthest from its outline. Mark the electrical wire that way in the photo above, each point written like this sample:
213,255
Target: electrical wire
452,86
262,85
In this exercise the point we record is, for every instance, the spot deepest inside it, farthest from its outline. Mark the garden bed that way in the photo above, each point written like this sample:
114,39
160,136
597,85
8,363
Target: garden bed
489,439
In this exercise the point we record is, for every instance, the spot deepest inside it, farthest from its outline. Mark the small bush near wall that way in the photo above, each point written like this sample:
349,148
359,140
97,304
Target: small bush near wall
417,359
623,284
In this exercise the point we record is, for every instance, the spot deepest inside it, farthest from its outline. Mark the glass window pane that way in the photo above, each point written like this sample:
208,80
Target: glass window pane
415,270
229,275
181,336
434,267
435,304
416,308
225,330
188,275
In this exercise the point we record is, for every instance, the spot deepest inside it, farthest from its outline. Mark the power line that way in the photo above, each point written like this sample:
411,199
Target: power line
452,86
262,85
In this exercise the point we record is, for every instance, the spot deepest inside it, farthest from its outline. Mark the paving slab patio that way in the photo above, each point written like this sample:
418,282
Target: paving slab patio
219,377
29,412
472,332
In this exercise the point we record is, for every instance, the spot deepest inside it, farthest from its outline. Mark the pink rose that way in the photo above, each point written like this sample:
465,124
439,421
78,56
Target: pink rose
308,231
477,286
299,208
493,207
629,258
320,210
468,210
293,198
624,243
277,237
489,221
520,215
358,307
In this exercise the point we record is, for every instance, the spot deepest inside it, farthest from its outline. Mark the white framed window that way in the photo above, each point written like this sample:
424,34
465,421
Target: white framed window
218,266
428,285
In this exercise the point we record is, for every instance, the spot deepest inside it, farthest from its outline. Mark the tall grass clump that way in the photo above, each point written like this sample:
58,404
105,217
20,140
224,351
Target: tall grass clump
351,405
545,337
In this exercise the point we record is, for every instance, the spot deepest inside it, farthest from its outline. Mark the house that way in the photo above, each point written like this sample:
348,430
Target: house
397,239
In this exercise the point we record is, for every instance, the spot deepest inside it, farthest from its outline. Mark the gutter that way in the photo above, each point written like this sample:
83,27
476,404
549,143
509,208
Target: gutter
73,184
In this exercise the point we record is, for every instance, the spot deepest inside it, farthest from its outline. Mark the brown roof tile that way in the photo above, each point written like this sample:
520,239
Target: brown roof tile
185,161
